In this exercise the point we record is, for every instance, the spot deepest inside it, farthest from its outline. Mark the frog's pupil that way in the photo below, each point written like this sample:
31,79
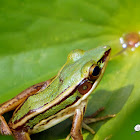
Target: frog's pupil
96,71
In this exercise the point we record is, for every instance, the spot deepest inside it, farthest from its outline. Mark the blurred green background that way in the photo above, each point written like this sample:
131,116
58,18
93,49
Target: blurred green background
36,37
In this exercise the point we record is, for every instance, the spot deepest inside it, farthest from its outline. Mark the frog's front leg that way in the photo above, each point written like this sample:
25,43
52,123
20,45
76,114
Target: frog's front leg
76,133
81,122
76,130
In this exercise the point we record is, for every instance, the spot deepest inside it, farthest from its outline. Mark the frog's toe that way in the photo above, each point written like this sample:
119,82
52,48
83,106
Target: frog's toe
85,126
4,128
92,120
68,137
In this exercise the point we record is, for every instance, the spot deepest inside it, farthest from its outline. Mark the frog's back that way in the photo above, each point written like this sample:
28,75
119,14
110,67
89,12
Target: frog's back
42,105
36,101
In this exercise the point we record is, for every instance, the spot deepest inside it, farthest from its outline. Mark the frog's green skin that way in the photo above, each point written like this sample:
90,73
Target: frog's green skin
59,100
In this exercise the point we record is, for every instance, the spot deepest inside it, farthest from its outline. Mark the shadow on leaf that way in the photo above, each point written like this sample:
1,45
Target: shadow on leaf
113,101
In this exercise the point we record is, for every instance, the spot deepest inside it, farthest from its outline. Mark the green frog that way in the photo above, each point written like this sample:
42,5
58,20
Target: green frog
48,103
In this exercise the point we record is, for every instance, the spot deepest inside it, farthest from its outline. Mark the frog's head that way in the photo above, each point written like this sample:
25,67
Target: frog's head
84,69
94,69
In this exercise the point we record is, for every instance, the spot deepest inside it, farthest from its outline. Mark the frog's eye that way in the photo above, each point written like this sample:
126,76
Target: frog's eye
94,71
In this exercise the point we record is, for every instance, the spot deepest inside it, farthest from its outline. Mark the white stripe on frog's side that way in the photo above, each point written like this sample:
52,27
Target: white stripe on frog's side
44,108
57,118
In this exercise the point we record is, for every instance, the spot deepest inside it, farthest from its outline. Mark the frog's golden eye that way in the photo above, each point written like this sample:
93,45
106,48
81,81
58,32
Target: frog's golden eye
94,71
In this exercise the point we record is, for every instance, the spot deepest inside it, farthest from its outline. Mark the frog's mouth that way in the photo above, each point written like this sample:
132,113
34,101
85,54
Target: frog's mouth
104,60
103,64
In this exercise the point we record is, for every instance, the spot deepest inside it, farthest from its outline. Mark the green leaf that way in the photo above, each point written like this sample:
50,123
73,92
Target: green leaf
36,37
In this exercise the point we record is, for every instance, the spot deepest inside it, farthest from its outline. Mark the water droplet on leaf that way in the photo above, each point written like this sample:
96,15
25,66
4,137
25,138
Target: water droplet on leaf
131,40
